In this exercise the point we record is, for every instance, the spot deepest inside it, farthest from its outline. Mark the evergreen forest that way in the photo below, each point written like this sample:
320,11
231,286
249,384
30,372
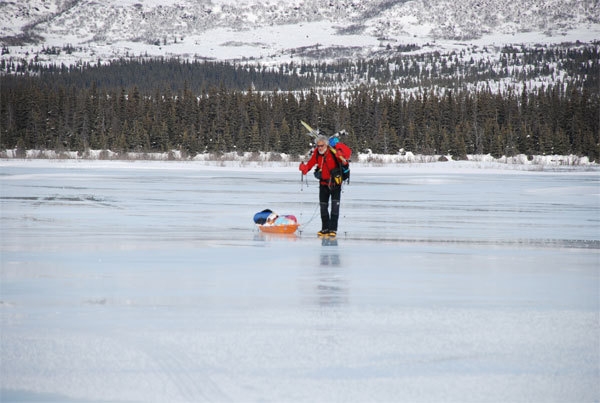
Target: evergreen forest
427,104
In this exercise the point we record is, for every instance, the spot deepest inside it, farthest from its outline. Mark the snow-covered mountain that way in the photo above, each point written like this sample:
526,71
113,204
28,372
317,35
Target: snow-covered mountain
271,30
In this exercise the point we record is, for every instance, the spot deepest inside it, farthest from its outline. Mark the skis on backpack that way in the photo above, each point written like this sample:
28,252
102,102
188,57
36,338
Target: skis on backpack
311,132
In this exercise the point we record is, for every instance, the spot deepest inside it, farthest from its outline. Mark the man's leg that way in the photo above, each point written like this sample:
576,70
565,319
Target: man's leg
336,193
324,202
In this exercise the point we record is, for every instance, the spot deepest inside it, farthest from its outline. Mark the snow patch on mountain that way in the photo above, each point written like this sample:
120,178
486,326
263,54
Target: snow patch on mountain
271,31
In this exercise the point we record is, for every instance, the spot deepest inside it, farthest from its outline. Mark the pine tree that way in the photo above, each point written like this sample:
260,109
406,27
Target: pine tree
410,142
254,143
286,138
458,148
560,142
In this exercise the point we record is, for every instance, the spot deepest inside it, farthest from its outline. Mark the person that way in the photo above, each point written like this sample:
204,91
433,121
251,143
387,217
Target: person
327,159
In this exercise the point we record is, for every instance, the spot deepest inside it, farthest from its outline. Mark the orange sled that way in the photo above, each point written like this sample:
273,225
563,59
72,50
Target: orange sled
279,229
273,223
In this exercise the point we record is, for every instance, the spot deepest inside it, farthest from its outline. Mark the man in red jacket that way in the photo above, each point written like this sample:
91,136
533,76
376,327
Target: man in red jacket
326,159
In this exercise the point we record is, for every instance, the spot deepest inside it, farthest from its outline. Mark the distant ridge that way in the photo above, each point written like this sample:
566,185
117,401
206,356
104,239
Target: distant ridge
168,22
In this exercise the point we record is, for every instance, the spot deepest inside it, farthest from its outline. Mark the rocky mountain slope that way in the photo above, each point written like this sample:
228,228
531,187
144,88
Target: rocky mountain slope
384,22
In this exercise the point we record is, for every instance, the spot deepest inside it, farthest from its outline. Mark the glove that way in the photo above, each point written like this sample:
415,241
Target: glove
303,168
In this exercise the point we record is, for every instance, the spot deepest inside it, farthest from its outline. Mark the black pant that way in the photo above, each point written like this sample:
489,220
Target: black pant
330,222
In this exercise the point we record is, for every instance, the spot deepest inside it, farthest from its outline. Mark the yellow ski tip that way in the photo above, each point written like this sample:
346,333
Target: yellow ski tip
310,129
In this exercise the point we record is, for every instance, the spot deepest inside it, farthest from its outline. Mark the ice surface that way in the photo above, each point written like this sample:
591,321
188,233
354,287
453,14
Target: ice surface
147,281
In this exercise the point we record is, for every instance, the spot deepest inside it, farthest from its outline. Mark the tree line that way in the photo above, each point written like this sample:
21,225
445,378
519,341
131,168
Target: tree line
148,74
98,108
570,64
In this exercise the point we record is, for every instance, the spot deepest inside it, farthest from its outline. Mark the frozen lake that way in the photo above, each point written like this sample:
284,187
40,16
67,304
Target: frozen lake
147,281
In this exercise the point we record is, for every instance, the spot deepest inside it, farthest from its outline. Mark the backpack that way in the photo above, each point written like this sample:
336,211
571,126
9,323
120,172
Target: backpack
342,172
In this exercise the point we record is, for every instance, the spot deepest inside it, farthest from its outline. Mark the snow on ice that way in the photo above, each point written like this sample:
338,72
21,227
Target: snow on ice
148,281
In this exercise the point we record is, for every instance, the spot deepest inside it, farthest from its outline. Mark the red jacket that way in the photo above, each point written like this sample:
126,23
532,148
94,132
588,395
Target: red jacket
325,163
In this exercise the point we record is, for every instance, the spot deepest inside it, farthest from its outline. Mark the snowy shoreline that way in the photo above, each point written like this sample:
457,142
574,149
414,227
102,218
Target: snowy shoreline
263,160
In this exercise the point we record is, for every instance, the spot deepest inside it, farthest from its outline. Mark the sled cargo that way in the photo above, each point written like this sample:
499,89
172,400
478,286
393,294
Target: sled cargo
269,222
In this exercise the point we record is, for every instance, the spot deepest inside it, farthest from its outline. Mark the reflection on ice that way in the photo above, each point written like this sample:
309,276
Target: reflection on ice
266,237
332,287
